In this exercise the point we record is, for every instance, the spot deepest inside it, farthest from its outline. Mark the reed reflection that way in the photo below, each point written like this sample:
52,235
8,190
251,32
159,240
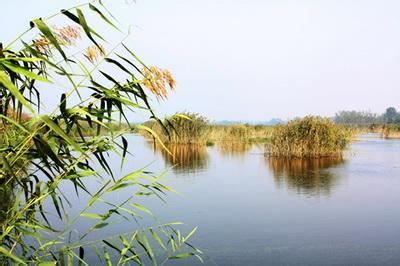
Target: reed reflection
312,177
185,158
233,148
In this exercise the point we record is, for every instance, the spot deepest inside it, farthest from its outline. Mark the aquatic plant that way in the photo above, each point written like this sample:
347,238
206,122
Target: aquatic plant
240,133
182,128
40,155
193,128
310,137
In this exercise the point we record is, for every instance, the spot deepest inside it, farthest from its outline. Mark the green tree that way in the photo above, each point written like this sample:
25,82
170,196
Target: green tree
390,115
357,118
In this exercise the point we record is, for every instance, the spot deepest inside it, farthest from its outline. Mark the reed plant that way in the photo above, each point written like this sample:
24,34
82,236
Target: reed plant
182,128
98,88
309,137
228,133
243,133
192,128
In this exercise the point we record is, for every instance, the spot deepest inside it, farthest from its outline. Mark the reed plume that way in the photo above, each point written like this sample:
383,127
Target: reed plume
156,80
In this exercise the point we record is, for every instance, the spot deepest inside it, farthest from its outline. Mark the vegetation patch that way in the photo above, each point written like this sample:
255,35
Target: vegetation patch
391,131
193,128
239,133
184,128
310,137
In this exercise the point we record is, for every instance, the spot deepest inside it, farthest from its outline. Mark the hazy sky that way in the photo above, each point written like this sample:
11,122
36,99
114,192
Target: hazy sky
258,59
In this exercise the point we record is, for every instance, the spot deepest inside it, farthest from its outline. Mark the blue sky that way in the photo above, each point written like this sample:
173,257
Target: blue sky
255,60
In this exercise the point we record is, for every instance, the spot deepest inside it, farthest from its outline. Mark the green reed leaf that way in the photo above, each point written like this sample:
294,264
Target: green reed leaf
53,126
24,71
92,216
95,9
86,28
181,256
6,82
154,134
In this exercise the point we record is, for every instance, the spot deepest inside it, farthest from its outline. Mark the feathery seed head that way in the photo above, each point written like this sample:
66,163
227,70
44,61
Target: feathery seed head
94,52
156,80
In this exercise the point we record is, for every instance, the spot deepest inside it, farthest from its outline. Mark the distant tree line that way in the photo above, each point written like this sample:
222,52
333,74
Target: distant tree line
390,116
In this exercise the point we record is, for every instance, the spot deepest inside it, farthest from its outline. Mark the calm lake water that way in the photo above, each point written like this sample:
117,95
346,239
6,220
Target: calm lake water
252,210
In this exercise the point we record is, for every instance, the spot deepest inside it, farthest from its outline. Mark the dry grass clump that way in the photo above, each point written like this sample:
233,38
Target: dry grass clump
310,137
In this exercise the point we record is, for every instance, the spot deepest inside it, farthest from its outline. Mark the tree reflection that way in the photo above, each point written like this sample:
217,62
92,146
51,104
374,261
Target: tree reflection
312,177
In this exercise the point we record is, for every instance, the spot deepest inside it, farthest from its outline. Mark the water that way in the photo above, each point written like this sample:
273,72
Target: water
251,210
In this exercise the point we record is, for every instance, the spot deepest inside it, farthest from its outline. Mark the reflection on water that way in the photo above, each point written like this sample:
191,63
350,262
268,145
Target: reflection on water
194,158
184,158
305,176
233,148
249,212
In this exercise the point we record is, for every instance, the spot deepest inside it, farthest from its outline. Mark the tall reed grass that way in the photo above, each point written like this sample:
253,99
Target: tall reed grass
239,133
193,128
97,87
183,128
310,137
